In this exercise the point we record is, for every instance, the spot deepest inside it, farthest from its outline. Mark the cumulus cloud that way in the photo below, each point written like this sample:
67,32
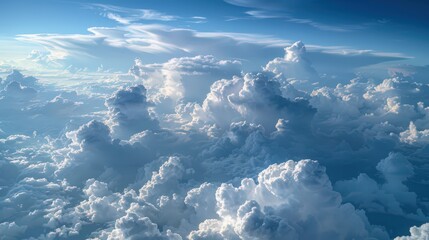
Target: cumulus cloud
417,233
17,76
11,230
153,158
132,226
295,66
94,154
182,80
393,196
15,90
129,112
413,136
293,200
252,97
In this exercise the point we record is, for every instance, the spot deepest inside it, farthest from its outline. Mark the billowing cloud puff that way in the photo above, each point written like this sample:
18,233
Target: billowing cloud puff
15,90
165,179
391,197
417,233
11,230
16,76
132,226
94,154
182,80
252,97
33,203
129,112
159,204
414,136
290,200
295,67
293,199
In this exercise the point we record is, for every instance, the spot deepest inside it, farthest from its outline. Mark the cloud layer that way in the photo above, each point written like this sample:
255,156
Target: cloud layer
198,148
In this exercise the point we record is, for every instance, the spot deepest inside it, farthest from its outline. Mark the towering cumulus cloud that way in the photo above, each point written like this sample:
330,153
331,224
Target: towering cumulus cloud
295,66
198,148
129,112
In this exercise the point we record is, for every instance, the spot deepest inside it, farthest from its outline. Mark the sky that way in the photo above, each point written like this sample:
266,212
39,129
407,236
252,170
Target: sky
65,32
217,119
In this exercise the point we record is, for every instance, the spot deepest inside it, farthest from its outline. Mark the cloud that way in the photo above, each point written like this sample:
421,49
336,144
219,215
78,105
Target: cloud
252,97
266,14
165,179
42,58
417,233
129,112
289,200
26,99
413,136
11,230
295,66
415,73
122,43
183,79
16,76
109,161
94,154
263,14
390,197
131,14
15,90
198,19
337,16
35,195
132,226
166,41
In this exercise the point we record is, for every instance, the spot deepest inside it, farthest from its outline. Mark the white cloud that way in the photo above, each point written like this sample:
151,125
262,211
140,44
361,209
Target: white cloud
252,97
417,233
132,226
110,163
413,136
295,67
111,46
292,200
186,78
131,14
129,112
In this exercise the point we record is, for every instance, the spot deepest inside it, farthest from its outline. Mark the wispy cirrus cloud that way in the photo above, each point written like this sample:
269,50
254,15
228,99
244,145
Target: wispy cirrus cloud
198,19
128,15
138,40
131,39
263,14
290,12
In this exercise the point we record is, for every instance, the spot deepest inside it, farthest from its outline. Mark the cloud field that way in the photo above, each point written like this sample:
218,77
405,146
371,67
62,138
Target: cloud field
197,147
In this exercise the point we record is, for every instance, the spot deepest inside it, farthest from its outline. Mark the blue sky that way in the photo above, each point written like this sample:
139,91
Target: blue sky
395,29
